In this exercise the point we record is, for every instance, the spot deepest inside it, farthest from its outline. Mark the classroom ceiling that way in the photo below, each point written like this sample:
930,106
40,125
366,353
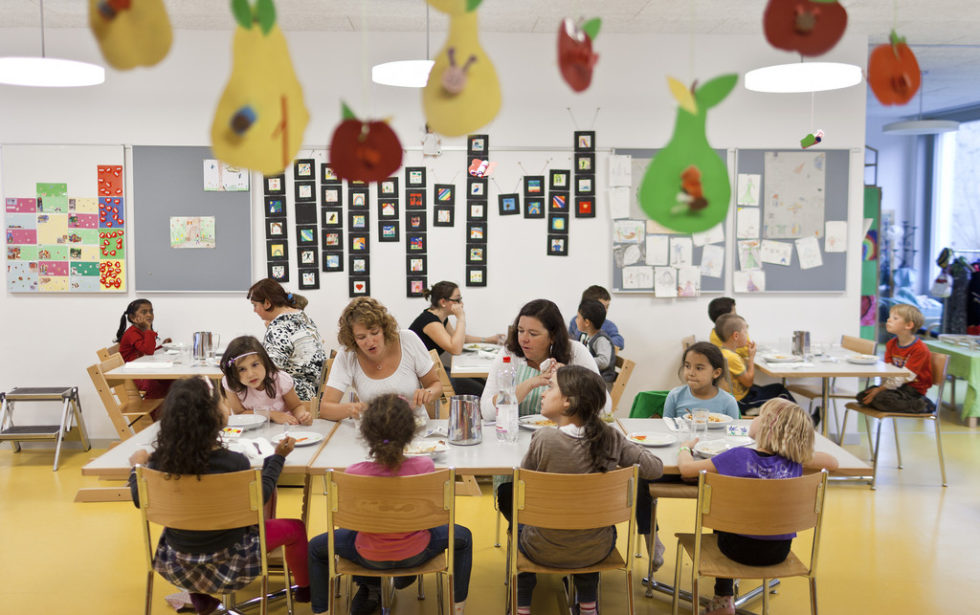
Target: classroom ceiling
943,33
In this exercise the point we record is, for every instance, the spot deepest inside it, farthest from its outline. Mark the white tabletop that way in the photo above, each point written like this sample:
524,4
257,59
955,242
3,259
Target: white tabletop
830,365
161,366
849,464
488,457
472,364
114,463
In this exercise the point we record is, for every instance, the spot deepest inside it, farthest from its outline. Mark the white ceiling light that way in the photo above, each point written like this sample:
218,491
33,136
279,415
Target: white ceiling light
920,126
48,72
403,73
803,77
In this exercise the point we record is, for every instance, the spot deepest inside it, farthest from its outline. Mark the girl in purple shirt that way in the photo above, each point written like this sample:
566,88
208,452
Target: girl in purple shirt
784,436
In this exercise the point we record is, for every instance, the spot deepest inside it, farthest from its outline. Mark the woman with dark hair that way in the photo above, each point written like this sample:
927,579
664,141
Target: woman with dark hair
433,328
291,337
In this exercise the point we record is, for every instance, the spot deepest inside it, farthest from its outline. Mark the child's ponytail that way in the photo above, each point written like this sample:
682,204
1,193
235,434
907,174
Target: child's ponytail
585,391
124,320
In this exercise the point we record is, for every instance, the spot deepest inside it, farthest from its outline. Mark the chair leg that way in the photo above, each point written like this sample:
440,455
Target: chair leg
387,594
898,447
629,591
421,588
149,592
695,591
840,428
637,551
677,578
652,547
843,428
440,578
813,596
877,449
765,596
867,429
496,541
939,446
264,602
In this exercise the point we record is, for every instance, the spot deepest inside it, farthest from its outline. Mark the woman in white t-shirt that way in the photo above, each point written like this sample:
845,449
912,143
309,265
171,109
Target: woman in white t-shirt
377,359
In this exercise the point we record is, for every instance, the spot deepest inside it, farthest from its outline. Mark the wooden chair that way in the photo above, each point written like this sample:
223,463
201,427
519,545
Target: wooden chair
677,491
756,507
324,375
127,410
624,369
939,364
688,341
382,504
207,502
441,408
105,353
848,342
554,501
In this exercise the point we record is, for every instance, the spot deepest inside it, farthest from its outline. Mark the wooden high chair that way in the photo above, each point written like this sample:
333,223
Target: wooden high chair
127,410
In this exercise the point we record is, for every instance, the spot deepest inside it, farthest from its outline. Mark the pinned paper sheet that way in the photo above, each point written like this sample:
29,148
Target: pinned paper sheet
619,203
835,238
749,256
680,252
749,281
808,251
637,278
776,252
688,282
221,177
192,232
665,284
748,189
712,261
632,254
658,250
715,234
747,221
628,231
620,171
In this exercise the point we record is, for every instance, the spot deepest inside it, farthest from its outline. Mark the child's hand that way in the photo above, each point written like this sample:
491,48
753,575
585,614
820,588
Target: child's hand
752,349
690,443
303,417
283,417
871,394
166,341
139,457
285,446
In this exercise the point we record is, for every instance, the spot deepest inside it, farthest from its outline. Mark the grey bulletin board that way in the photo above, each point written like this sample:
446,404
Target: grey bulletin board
832,275
640,160
169,181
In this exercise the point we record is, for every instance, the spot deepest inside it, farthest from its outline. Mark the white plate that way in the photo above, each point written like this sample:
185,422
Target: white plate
247,421
474,346
716,420
780,358
535,422
862,359
652,438
303,438
426,449
710,448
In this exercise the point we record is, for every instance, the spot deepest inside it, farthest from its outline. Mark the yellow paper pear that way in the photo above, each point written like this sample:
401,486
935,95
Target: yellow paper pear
130,33
261,117
463,92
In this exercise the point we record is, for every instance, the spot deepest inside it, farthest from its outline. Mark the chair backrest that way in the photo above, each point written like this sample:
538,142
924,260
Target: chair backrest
555,501
624,369
324,376
687,341
447,384
114,399
391,504
857,344
760,507
105,353
939,363
206,502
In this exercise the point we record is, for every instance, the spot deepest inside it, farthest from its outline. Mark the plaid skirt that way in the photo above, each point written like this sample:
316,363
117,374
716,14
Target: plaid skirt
212,573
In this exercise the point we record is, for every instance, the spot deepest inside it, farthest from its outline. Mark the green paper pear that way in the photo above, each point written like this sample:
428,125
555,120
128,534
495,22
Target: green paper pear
686,187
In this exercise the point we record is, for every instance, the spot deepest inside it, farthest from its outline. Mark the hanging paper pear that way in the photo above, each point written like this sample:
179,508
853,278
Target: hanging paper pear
130,33
261,116
686,187
463,92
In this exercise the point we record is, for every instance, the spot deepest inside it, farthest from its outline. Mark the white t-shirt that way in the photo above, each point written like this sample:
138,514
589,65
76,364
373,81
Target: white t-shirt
415,363
255,400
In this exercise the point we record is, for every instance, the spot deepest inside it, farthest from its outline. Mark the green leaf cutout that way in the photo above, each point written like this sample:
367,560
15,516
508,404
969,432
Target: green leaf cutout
591,27
242,12
895,38
346,112
472,4
265,14
715,91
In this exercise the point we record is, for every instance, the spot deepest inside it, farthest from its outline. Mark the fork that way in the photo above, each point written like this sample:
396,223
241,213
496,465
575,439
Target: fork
669,421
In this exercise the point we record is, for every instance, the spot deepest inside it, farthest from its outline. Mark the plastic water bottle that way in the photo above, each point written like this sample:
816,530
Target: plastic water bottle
507,412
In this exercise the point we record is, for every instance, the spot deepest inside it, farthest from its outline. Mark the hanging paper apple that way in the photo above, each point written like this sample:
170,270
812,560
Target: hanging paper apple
364,151
575,56
893,72
811,27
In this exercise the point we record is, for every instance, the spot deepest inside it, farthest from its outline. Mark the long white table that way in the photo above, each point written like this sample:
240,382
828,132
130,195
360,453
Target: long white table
161,366
471,364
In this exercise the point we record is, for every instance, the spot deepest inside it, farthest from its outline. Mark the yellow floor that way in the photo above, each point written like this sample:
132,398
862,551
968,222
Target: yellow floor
909,547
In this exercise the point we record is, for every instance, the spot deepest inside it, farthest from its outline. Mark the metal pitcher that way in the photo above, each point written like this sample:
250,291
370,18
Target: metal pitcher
203,343
465,420
801,343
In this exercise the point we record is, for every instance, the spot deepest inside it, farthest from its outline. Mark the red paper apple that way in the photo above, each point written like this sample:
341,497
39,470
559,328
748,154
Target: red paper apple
893,72
575,57
364,151
811,27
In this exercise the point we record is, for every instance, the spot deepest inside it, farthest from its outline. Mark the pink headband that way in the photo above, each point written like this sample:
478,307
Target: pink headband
232,360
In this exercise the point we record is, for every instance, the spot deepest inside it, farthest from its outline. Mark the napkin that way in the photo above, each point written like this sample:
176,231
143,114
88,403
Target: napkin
150,365
795,365
669,422
486,355
251,452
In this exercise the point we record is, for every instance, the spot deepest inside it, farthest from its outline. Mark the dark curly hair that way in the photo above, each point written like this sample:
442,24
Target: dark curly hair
388,426
188,430
550,316
239,347
585,391
369,313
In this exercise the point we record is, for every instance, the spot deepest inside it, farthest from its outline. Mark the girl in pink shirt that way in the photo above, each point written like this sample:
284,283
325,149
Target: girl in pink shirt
388,426
258,386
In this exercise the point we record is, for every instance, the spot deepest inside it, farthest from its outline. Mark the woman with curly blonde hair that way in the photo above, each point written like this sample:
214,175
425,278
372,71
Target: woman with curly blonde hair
377,358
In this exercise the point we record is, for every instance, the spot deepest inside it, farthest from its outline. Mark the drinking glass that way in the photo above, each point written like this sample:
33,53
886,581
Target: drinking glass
699,423
213,345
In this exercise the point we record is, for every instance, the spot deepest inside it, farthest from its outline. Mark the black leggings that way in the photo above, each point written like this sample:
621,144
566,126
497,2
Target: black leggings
748,551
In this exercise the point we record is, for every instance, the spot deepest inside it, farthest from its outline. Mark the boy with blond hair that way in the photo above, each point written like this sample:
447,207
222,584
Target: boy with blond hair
733,332
908,351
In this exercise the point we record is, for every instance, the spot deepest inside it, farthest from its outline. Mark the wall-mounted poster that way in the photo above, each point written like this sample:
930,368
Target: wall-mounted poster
192,232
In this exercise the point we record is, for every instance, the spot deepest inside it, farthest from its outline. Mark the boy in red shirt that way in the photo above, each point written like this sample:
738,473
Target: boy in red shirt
908,351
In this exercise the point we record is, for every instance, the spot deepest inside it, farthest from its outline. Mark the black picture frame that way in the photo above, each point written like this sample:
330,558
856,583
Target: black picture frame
444,215
278,271
477,187
508,204
359,243
476,254
277,250
584,140
327,175
559,179
444,194
389,231
359,286
358,197
416,221
414,199
332,195
476,232
534,185
476,210
306,235
332,217
332,262
415,177
584,185
275,228
478,145
358,221
308,279
387,209
388,188
274,184
415,286
307,256
534,207
585,163
306,213
558,202
585,207
360,264
476,275
558,224
304,168
275,207
304,191
332,241
416,260
417,243
557,245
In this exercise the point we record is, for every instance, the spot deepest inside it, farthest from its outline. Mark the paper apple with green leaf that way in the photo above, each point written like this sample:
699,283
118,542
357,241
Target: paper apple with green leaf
364,151
810,27
893,72
576,59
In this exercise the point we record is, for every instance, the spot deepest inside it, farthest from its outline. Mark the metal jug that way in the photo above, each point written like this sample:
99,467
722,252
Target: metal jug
465,420
801,343
203,343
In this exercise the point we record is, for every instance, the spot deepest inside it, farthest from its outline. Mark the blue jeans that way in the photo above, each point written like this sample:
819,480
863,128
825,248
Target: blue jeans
344,547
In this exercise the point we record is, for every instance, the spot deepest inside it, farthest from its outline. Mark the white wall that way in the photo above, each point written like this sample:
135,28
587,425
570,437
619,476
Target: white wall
50,339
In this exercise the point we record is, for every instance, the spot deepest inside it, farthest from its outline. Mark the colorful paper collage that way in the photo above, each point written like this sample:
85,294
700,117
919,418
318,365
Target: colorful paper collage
62,243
